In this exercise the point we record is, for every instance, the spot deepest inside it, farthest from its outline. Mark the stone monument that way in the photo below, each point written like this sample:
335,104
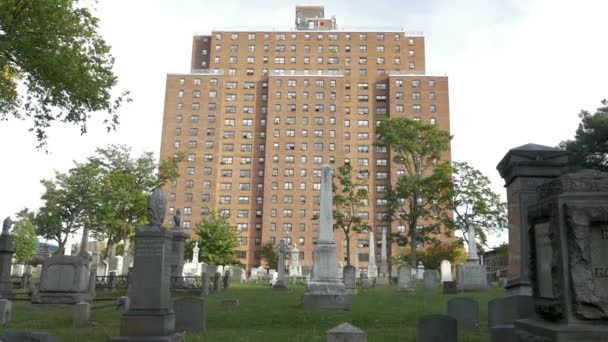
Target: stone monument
7,248
524,168
281,284
405,278
150,317
295,269
349,278
472,275
568,234
446,270
65,278
383,277
372,269
179,237
325,289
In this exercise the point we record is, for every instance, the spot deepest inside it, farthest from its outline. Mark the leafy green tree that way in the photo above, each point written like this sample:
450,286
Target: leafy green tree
270,255
474,204
589,149
69,200
26,241
423,191
350,197
125,182
217,240
54,65
432,256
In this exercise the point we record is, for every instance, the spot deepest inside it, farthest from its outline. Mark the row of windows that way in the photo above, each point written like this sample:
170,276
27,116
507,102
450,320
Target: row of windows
347,72
319,36
307,49
320,59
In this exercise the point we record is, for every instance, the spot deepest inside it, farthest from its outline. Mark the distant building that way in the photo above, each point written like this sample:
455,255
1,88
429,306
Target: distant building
263,109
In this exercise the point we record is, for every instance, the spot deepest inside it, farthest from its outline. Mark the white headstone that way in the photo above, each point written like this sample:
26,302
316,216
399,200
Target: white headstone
446,271
115,264
420,270
195,252
295,270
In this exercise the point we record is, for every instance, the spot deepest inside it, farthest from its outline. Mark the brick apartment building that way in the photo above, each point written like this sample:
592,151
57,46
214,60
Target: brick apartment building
261,111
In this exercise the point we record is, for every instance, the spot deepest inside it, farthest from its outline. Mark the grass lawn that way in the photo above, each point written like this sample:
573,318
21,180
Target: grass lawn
264,315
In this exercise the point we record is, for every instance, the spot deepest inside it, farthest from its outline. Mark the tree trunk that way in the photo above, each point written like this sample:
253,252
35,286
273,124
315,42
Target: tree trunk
414,243
346,235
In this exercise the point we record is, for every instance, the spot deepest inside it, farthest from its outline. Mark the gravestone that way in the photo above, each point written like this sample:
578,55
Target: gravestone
568,232
502,313
102,269
446,271
123,303
17,270
524,168
349,277
450,287
127,258
216,282
27,336
502,282
431,280
383,276
420,271
437,328
81,313
345,332
404,278
150,317
190,315
7,248
295,269
116,264
239,275
65,278
472,276
178,240
262,274
281,284
325,290
368,283
372,268
466,312
6,309
205,288
211,270
227,280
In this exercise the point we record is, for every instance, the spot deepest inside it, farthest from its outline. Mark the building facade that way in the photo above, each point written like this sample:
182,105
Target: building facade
261,111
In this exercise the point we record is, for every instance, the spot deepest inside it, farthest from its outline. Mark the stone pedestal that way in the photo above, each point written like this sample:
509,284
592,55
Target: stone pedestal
64,280
472,277
179,238
7,248
568,234
524,168
150,317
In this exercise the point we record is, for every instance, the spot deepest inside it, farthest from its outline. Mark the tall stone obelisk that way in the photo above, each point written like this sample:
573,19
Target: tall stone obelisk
326,289
383,273
372,268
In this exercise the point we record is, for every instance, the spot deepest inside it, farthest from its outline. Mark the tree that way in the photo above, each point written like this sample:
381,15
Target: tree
26,241
432,256
474,204
69,200
270,256
54,65
125,183
422,191
350,197
589,149
218,240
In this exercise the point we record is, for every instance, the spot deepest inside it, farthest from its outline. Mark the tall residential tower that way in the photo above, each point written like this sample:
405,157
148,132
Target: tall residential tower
262,110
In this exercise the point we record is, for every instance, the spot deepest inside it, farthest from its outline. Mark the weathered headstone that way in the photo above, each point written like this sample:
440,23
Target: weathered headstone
7,248
6,309
27,336
239,275
383,276
568,231
190,314
81,313
295,269
216,282
372,268
502,313
227,280
446,270
420,271
116,264
466,312
123,303
150,316
345,332
450,287
349,277
205,288
281,283
404,278
325,290
112,280
178,238
437,328
368,283
431,280
472,276
65,278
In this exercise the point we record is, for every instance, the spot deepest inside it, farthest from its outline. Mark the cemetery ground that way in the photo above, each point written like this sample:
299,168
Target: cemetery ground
266,315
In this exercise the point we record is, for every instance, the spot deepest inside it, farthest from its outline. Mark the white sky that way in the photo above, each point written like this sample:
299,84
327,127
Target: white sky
519,71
